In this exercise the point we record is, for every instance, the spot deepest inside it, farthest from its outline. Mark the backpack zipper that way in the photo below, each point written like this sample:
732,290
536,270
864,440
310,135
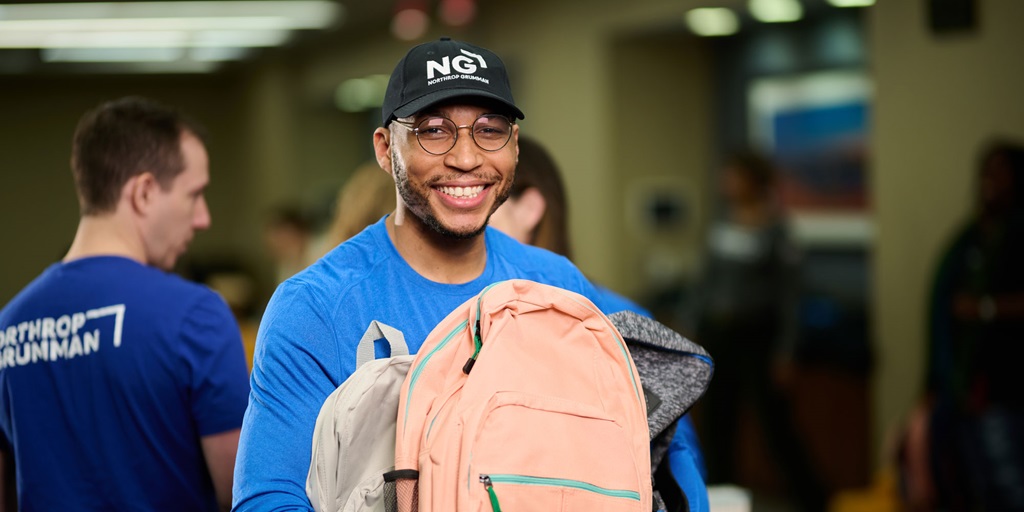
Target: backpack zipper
489,480
477,342
486,480
415,375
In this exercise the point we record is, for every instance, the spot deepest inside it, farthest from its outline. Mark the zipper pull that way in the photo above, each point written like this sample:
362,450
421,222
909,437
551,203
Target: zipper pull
489,486
477,343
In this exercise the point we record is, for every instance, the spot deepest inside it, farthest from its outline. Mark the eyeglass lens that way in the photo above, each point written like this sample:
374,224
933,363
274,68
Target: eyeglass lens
437,135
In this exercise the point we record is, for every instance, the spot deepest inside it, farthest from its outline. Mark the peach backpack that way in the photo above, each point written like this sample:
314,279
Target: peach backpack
523,398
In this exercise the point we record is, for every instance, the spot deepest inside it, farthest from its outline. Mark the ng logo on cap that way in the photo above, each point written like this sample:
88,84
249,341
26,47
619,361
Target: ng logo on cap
461,64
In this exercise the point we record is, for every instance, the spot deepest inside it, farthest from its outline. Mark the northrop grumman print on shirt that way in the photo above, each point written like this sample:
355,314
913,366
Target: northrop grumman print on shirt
64,337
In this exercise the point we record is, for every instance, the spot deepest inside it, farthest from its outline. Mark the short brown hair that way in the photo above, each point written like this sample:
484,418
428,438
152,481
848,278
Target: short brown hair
123,138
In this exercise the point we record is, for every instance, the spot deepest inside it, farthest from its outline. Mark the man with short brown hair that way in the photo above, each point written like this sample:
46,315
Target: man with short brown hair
122,386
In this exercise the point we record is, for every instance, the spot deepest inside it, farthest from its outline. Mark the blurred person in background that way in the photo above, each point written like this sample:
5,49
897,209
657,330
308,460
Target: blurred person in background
287,236
122,386
536,213
965,445
744,310
366,196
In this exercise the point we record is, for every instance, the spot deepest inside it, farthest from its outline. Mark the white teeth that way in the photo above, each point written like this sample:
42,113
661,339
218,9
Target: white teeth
463,192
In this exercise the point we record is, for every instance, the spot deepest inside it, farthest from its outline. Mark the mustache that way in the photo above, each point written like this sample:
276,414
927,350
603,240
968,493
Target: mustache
461,176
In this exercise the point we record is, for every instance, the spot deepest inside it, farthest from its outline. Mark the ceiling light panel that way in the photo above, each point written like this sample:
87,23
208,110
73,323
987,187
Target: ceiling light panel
776,11
712,21
112,54
851,3
299,13
140,24
150,24
218,54
151,39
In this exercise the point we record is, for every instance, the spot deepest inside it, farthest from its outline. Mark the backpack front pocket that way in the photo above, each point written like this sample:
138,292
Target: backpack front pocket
532,452
567,494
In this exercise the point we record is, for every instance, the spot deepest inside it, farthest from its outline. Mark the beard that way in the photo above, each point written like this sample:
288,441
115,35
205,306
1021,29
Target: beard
417,201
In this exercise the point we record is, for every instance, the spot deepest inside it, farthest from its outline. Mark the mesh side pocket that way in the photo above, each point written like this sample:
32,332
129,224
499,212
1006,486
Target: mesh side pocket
401,490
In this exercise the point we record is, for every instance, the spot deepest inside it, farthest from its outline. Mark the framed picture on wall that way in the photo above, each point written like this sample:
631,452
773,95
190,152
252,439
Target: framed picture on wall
814,126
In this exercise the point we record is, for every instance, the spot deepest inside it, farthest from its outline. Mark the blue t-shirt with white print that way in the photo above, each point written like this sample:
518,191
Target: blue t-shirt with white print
110,373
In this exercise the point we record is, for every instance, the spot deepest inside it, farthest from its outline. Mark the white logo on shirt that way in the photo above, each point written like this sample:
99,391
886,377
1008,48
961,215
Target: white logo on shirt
53,339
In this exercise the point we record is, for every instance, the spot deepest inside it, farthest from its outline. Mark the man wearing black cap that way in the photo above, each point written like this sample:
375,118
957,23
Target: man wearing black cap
449,140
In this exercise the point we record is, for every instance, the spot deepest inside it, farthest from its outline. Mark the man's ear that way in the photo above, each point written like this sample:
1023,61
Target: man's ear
530,208
141,190
382,148
515,140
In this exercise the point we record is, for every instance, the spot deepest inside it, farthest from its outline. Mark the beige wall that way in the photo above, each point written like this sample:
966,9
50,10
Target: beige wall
937,100
661,142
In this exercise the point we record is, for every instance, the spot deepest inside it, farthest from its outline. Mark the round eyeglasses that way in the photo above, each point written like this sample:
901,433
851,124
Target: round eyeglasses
437,135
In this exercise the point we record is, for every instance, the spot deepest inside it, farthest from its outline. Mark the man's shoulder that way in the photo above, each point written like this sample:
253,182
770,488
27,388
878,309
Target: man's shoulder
342,277
518,260
168,287
348,263
108,278
510,249
525,256
24,299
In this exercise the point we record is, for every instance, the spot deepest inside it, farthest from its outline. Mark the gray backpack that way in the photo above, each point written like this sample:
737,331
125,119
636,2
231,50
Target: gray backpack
356,425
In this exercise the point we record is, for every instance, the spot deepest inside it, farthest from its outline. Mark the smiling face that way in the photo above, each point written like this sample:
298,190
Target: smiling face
178,209
453,194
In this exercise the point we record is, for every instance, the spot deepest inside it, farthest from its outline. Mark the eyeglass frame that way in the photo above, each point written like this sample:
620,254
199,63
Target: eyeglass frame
415,128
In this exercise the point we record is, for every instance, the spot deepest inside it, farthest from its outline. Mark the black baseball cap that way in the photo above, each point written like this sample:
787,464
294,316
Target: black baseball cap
444,69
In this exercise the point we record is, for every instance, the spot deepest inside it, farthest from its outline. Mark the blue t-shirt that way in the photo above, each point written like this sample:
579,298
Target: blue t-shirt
306,345
110,372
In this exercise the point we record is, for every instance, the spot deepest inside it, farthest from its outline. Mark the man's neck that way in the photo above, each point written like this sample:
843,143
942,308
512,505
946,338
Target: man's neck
105,235
433,256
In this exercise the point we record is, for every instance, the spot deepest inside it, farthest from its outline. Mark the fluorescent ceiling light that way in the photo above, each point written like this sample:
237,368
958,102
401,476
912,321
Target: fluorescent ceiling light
150,39
176,67
165,54
94,39
150,24
851,3
299,13
712,21
217,54
112,54
775,11
99,25
240,38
